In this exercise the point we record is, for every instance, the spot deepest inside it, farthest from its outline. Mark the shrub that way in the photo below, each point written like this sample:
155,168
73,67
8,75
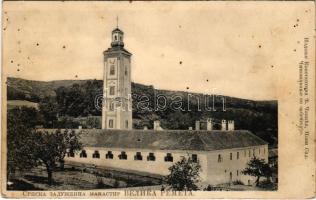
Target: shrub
212,188
100,183
267,184
116,184
238,182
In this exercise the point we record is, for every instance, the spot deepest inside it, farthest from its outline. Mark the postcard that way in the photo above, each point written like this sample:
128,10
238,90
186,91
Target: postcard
158,99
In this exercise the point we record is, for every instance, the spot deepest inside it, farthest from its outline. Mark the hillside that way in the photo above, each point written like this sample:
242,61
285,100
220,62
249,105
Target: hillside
22,89
75,98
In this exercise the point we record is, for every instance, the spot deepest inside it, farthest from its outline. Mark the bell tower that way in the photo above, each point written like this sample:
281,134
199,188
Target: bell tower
117,102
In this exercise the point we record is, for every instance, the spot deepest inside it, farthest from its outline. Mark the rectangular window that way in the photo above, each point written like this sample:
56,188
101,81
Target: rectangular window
112,70
109,155
264,150
125,70
71,154
231,156
168,158
83,154
237,155
219,158
237,173
111,122
123,156
111,107
96,154
245,153
259,151
112,90
138,156
126,123
253,152
194,158
151,157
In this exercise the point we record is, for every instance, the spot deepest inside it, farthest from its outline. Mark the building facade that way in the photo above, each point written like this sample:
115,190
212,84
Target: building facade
222,154
117,103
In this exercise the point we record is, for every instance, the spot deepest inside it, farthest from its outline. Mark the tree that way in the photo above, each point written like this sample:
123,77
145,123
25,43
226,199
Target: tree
258,168
71,144
52,148
184,175
49,110
178,120
20,138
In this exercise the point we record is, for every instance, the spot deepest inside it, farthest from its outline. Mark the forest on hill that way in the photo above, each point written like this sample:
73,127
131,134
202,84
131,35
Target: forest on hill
68,99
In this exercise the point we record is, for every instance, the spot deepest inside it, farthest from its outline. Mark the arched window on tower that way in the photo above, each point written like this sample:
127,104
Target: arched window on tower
111,123
125,70
115,38
111,107
126,123
112,70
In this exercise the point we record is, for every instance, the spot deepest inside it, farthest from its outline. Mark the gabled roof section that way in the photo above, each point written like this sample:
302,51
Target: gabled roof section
169,139
116,49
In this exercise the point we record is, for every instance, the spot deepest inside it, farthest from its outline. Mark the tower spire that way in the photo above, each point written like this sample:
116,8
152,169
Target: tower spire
117,19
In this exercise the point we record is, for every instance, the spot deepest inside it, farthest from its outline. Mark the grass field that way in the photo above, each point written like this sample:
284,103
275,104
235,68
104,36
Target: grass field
19,103
72,178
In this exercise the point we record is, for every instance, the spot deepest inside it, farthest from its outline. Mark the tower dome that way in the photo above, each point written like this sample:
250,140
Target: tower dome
117,38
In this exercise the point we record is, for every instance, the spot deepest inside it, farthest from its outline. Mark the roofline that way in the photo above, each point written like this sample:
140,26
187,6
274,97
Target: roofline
152,130
174,150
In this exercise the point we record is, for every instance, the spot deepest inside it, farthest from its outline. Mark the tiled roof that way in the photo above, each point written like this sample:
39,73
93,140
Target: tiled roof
117,49
117,30
169,139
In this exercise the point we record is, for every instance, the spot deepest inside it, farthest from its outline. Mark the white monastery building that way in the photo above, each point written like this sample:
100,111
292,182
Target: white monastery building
222,154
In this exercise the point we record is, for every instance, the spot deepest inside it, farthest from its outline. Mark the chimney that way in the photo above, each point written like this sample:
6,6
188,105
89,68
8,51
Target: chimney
224,128
197,125
145,128
190,128
209,124
157,125
231,125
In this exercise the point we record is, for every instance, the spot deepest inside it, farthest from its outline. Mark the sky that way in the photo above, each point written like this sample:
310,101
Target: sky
240,49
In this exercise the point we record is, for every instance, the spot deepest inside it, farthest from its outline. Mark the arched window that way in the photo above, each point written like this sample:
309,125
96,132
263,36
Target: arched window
151,157
96,154
111,123
115,38
112,90
194,158
125,70
111,107
112,70
83,154
126,123
138,156
109,155
219,158
71,154
123,156
168,158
